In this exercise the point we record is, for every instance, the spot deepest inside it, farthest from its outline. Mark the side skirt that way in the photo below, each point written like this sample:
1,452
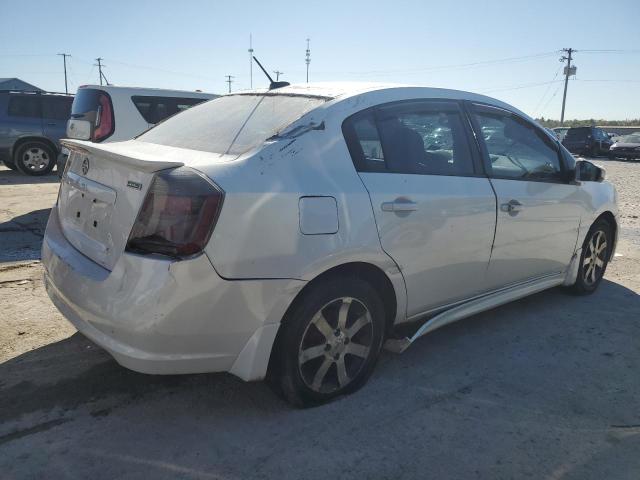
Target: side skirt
477,305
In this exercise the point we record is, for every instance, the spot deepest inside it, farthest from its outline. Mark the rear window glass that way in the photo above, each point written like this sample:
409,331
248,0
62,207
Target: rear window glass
578,132
24,106
57,108
231,124
86,100
155,109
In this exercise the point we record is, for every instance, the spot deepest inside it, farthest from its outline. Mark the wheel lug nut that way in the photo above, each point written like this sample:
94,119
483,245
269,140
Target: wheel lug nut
327,347
336,356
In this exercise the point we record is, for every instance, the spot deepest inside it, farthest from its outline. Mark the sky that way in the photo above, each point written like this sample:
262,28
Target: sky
509,50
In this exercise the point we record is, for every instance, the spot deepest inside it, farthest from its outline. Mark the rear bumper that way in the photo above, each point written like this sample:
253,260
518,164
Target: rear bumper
166,317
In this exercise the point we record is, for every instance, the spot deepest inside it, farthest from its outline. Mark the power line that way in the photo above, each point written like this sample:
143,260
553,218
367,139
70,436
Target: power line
547,90
519,87
457,66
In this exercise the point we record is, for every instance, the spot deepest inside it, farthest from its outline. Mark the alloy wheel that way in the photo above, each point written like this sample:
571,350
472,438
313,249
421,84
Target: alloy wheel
595,258
335,345
35,159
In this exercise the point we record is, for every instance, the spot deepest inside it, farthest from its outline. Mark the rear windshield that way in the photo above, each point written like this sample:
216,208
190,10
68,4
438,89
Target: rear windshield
86,100
578,132
231,124
155,109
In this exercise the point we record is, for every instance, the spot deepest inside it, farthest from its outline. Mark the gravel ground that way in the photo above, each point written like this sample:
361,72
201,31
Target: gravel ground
546,387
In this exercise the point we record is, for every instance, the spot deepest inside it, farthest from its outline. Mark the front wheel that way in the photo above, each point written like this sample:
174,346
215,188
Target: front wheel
594,259
330,342
35,158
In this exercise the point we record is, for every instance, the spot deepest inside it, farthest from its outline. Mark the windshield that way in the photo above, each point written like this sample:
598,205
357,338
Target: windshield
633,138
231,124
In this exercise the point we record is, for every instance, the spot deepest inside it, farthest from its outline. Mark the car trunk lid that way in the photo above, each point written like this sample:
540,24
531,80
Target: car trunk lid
101,193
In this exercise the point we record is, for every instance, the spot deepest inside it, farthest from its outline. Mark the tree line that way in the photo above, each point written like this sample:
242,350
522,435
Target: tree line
550,123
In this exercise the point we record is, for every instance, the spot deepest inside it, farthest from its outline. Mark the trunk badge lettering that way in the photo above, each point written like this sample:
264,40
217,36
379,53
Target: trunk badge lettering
136,185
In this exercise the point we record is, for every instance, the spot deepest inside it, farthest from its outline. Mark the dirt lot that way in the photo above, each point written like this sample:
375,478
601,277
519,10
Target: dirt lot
546,387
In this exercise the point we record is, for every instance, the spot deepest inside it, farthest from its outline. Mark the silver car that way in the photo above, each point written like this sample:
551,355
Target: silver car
293,233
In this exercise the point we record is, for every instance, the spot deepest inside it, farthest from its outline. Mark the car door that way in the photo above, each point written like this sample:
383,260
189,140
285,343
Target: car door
538,207
25,115
55,113
434,210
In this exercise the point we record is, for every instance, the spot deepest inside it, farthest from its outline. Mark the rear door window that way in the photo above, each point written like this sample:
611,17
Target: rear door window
427,138
57,108
25,106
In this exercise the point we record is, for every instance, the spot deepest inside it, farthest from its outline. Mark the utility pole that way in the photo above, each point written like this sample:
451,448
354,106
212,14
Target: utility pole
100,65
250,64
308,58
64,60
567,71
229,81
278,73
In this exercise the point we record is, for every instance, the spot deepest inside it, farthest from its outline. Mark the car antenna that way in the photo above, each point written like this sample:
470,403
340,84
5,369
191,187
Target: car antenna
272,85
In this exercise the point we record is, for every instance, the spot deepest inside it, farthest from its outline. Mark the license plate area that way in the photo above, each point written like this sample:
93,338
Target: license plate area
86,208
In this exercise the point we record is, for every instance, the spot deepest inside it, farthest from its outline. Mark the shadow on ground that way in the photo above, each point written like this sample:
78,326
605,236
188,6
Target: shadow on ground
21,237
13,177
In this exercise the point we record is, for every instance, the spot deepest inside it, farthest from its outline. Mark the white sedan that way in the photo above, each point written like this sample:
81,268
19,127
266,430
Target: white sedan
294,232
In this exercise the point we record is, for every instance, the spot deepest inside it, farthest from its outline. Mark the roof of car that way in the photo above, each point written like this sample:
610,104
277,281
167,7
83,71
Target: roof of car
150,91
343,90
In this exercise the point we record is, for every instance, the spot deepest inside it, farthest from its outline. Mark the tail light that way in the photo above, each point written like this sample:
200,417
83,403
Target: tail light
178,214
104,118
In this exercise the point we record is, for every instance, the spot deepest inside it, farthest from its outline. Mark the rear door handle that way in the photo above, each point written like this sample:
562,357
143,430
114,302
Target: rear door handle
400,204
512,207
51,124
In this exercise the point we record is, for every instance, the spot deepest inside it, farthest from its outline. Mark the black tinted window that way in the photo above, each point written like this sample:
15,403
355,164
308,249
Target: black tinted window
418,138
24,106
155,109
517,149
58,108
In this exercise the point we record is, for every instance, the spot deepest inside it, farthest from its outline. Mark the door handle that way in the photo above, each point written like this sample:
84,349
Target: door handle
400,204
512,207
51,124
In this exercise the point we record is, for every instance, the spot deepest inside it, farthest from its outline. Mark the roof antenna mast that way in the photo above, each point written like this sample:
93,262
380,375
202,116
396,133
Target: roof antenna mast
272,85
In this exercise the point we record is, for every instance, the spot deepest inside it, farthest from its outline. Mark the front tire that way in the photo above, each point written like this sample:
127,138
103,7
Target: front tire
330,342
596,252
35,158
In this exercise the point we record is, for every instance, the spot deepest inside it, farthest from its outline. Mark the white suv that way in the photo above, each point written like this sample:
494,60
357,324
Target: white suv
295,231
111,113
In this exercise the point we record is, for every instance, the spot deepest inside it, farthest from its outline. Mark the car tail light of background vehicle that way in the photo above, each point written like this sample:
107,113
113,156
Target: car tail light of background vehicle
178,214
104,118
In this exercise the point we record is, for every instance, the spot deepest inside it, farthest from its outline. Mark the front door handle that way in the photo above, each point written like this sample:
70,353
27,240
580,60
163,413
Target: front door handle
400,204
51,124
512,207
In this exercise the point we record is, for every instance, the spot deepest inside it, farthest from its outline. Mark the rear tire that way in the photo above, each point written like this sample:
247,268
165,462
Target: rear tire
35,158
596,252
329,342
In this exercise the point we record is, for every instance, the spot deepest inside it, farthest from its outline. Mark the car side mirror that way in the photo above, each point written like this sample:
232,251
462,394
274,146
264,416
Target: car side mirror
589,172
